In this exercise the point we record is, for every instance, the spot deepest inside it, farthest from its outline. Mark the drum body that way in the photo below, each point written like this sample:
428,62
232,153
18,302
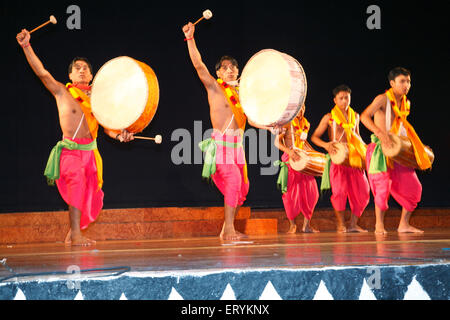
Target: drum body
341,157
311,162
402,151
272,88
125,94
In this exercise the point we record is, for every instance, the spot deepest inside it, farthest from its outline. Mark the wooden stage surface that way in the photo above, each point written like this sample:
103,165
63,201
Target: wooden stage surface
320,250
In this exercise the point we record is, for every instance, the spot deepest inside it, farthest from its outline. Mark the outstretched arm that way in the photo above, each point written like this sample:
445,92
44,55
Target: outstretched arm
208,81
55,87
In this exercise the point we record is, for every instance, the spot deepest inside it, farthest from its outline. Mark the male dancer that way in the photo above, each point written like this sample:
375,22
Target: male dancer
74,164
387,115
300,192
224,154
346,181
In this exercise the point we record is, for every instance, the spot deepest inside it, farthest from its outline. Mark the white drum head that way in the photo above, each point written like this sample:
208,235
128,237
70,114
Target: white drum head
119,93
272,88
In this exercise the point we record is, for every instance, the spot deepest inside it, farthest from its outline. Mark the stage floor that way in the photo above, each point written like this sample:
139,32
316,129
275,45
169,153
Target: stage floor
206,255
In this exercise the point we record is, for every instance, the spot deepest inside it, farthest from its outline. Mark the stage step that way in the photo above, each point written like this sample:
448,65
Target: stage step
130,224
325,219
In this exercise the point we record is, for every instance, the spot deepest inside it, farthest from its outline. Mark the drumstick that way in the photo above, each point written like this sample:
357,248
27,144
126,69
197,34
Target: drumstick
52,20
207,14
157,138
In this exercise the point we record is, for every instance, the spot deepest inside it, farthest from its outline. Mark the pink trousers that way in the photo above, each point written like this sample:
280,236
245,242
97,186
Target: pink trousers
302,193
78,184
349,183
229,176
401,182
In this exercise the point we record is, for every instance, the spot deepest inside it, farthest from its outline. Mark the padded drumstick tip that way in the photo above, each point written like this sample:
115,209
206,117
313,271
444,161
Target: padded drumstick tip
53,19
158,139
207,14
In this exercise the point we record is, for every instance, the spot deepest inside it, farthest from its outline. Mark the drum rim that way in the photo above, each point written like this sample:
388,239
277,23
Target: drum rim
302,71
142,108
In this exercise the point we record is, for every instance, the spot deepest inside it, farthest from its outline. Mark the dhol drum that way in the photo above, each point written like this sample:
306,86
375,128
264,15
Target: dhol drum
311,162
341,156
272,88
125,94
402,151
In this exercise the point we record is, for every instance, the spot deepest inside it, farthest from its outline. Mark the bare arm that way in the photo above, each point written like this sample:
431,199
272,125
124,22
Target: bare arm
318,133
279,143
208,81
367,117
55,87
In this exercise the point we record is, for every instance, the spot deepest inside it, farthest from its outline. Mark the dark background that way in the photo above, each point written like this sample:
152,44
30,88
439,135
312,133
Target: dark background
329,38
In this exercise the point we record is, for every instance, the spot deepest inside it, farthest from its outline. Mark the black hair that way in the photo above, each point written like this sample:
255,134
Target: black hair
341,88
397,71
80,59
222,59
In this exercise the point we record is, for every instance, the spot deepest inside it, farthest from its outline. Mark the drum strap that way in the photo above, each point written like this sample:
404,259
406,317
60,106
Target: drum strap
422,158
79,126
229,123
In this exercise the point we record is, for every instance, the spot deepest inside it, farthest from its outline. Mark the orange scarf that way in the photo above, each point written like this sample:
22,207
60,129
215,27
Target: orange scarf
400,118
239,115
85,103
233,98
300,126
356,147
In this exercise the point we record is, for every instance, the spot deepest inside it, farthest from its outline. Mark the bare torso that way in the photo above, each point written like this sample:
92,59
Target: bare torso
221,112
70,115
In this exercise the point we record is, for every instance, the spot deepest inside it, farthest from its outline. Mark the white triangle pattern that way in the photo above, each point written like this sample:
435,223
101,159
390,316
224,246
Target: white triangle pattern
322,292
366,293
20,295
174,295
79,296
414,291
270,293
228,294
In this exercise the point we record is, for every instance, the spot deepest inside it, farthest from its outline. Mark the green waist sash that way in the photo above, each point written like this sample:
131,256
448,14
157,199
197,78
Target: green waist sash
282,180
52,169
378,160
209,146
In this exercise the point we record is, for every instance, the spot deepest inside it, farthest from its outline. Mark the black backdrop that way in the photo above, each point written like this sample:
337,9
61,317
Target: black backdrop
329,38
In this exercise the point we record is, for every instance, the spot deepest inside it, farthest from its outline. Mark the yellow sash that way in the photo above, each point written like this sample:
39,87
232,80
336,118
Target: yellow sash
239,115
85,103
400,118
300,126
356,148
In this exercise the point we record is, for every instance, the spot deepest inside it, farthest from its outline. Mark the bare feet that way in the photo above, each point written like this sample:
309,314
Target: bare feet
310,229
292,229
408,229
380,230
341,229
231,234
356,228
78,240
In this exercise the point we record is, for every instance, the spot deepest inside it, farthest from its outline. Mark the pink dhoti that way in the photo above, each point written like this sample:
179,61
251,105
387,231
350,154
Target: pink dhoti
349,183
229,176
401,182
302,193
78,183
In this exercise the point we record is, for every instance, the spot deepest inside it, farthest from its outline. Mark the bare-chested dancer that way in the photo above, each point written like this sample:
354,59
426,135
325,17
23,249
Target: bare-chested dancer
75,164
